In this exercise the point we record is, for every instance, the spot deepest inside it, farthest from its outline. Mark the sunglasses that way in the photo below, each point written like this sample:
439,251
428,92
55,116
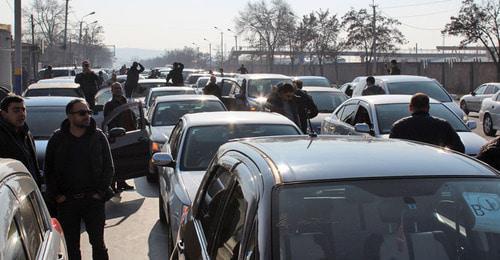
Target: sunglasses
82,112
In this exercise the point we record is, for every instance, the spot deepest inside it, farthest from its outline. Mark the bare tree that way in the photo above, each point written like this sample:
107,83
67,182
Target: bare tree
48,16
265,25
479,23
362,35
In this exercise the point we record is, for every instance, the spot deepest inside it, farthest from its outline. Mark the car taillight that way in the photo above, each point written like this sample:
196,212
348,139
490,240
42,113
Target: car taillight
155,147
57,226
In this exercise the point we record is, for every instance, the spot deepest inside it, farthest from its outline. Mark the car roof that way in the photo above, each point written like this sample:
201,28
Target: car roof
309,77
185,97
493,83
10,166
321,89
232,117
305,159
263,76
59,79
171,89
53,84
397,78
45,101
151,81
389,99
199,75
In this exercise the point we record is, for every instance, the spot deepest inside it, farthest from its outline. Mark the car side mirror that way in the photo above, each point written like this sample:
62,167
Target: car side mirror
473,93
163,160
362,128
117,132
471,125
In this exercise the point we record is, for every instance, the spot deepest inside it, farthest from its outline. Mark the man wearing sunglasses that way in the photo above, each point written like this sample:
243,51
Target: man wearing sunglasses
89,82
79,169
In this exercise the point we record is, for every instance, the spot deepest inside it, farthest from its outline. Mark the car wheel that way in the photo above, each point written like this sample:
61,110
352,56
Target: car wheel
163,217
463,106
152,178
488,126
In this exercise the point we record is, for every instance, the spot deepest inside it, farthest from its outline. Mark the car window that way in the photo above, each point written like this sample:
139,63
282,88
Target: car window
362,116
327,102
43,221
263,87
339,112
155,94
348,113
318,82
175,139
29,222
14,248
169,113
230,234
57,92
480,90
227,87
431,88
43,121
490,90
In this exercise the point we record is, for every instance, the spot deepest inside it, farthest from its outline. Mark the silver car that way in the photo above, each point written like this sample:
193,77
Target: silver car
472,102
194,141
376,115
26,229
167,91
326,100
489,114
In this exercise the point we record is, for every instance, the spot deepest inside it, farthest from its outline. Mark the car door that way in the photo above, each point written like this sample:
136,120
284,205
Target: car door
476,97
229,88
132,150
344,123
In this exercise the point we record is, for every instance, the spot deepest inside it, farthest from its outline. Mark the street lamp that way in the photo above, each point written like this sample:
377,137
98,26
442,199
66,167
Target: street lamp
235,39
81,23
209,51
221,46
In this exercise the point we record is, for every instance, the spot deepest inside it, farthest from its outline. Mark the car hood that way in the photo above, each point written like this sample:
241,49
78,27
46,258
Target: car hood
160,134
41,146
192,181
456,109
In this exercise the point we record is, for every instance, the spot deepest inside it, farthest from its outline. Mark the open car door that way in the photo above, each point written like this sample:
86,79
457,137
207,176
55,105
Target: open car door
130,148
231,95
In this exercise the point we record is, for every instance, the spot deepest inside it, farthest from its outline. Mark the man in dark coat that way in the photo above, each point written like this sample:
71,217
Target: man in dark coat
212,88
89,82
422,127
79,169
133,78
16,141
176,75
490,153
371,88
242,69
394,69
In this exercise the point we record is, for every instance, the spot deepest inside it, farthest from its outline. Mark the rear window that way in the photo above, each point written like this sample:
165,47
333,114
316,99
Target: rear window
263,87
169,113
43,121
57,92
431,88
327,102
142,89
156,94
317,82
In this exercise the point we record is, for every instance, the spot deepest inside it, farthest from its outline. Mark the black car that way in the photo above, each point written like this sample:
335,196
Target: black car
341,198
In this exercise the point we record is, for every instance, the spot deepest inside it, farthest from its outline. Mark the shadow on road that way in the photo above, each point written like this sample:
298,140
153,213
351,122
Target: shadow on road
122,209
146,189
158,242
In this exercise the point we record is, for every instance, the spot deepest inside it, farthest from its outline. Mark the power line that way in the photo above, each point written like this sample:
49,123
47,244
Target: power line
419,4
426,14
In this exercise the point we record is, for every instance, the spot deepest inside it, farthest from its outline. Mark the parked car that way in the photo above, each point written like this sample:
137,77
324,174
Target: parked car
327,100
376,115
192,144
311,198
472,102
314,81
489,114
192,78
410,85
249,92
54,88
26,229
165,114
167,91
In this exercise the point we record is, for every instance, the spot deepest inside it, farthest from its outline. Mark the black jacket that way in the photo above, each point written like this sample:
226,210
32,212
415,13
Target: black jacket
490,153
101,161
373,90
303,108
89,84
19,146
212,89
132,79
176,76
427,129
126,119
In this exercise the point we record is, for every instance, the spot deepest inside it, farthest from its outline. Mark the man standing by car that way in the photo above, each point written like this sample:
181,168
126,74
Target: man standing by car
133,78
176,75
393,69
126,119
242,69
16,141
212,88
79,169
371,88
89,82
422,127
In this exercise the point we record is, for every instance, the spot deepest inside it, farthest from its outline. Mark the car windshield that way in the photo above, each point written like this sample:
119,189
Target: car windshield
142,89
103,96
43,121
390,113
263,87
435,218
58,92
193,78
203,141
317,82
161,93
431,88
202,83
169,113
327,102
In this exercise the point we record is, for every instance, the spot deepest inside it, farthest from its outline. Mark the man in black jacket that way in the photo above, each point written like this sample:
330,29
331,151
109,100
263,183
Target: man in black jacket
16,141
422,127
212,88
89,82
79,169
133,78
176,75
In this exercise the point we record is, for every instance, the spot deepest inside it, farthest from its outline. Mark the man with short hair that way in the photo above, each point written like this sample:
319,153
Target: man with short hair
212,88
394,69
89,82
422,127
79,169
242,69
133,78
16,141
371,88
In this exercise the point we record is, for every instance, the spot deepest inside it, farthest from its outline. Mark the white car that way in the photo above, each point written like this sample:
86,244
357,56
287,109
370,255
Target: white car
26,229
489,114
472,102
167,91
54,87
376,115
410,85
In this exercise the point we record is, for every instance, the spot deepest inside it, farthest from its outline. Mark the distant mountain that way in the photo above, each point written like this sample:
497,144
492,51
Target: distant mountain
128,55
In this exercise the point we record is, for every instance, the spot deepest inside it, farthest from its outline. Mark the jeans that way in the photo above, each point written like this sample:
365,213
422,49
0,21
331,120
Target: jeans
91,211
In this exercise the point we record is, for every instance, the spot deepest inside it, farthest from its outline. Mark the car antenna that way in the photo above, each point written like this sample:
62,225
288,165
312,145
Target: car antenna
311,129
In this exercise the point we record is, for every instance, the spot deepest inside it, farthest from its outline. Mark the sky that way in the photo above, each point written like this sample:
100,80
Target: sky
170,24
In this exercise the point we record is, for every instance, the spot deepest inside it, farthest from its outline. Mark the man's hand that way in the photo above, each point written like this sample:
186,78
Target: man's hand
60,199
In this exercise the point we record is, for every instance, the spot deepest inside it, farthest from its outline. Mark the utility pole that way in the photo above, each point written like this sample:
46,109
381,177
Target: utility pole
209,51
374,35
18,56
33,48
221,46
66,32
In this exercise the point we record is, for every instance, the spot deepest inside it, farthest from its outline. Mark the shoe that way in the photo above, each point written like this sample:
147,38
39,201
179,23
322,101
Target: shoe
123,186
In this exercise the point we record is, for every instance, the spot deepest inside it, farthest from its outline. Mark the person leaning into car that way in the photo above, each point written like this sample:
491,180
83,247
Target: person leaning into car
79,169
422,127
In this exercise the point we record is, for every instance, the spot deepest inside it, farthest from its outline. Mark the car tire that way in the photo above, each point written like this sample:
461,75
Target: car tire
162,216
152,178
488,126
463,106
